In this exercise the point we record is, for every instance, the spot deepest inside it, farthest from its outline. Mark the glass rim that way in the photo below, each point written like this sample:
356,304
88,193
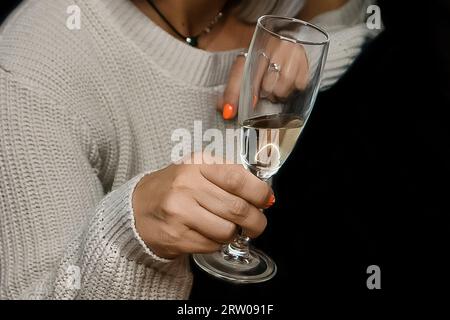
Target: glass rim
264,17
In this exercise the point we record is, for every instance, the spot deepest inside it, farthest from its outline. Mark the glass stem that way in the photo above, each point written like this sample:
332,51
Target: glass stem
239,249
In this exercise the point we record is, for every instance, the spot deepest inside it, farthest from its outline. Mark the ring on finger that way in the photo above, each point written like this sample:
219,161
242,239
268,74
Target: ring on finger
242,54
264,55
274,67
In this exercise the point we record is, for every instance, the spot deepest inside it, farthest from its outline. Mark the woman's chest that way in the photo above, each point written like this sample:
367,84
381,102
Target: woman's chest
168,121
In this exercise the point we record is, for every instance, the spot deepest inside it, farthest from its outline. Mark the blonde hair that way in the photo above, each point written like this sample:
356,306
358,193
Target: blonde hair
251,10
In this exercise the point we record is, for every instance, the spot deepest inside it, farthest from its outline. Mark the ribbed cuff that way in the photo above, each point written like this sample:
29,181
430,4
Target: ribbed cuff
118,226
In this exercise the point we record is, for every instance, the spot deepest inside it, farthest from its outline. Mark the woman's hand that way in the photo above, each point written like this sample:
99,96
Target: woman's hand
283,68
190,208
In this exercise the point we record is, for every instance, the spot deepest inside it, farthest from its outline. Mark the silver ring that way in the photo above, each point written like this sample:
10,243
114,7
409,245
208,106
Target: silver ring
274,67
262,53
242,54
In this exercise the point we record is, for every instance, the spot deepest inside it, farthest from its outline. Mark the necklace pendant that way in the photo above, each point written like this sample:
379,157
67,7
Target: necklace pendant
192,41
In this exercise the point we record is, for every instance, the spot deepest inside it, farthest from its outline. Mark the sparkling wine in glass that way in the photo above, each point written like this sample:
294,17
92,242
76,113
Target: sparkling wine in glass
267,141
274,106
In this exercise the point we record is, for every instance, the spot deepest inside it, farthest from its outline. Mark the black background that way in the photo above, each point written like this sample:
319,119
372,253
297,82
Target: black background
6,6
368,182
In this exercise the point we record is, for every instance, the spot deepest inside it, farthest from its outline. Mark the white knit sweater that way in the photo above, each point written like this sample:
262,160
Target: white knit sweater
82,112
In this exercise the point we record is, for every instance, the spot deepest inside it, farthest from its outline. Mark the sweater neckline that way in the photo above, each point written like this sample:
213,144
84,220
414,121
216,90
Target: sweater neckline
192,65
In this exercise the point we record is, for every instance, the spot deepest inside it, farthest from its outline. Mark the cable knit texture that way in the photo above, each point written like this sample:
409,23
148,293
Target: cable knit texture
84,114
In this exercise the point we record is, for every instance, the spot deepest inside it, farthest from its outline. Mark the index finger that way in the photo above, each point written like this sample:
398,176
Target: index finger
236,180
230,103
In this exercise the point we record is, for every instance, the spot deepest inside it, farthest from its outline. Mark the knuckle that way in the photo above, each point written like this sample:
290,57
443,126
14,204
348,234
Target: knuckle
239,208
171,203
181,180
235,180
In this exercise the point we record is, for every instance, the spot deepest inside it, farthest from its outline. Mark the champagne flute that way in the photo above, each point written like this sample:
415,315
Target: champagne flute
271,119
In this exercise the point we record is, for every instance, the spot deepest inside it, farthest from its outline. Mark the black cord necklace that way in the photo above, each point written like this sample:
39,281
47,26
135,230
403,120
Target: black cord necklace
190,40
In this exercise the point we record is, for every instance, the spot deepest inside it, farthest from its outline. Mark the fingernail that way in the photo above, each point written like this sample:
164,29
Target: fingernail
228,110
255,101
271,201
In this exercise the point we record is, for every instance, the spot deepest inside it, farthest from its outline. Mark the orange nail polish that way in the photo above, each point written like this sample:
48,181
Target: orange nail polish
228,110
255,101
271,201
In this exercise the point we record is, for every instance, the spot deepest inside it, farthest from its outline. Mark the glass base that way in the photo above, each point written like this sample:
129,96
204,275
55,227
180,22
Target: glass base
257,267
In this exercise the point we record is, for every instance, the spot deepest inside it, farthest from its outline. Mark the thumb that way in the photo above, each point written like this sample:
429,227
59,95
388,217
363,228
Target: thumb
229,104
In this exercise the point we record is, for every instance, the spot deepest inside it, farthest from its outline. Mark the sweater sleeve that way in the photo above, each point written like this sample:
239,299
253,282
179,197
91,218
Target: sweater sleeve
345,46
348,33
61,237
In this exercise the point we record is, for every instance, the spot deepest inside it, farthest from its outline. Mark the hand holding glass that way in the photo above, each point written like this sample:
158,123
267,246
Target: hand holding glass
281,79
